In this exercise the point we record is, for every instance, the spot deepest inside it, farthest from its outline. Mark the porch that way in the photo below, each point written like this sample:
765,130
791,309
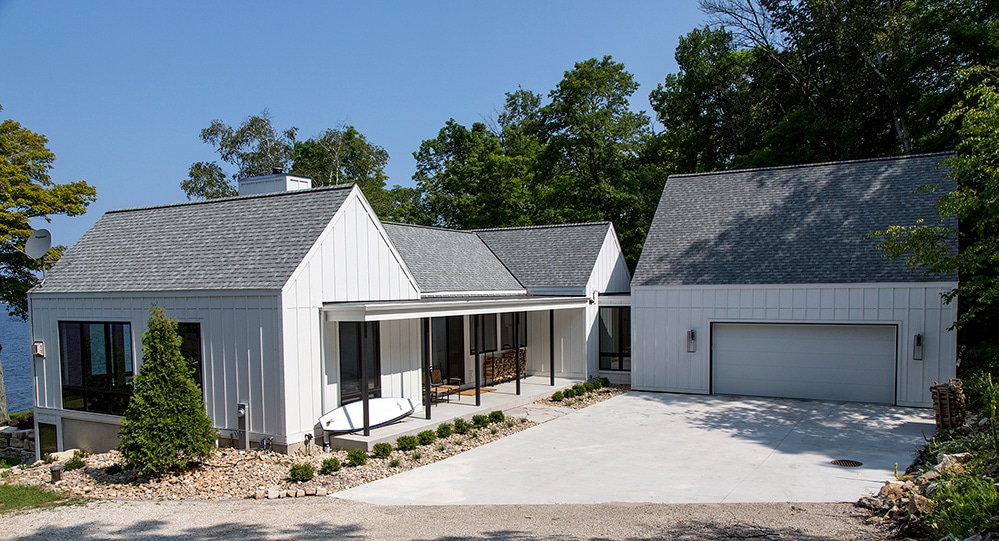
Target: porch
504,398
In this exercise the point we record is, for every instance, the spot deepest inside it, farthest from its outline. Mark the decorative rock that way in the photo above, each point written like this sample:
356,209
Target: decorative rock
311,491
919,505
62,456
273,494
259,494
300,493
892,490
946,461
868,502
925,478
321,491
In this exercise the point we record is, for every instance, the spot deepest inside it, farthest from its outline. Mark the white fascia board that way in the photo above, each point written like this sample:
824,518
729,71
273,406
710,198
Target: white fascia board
614,300
387,311
41,294
941,285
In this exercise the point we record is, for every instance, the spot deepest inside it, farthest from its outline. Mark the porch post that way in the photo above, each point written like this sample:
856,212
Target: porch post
478,349
425,323
516,344
361,336
551,345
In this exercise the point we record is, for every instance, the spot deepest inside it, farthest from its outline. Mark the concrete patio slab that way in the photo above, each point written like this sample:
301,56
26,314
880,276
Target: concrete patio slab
667,448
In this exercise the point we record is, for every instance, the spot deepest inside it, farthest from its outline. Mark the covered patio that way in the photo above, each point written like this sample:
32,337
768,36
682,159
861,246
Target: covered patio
402,346
504,398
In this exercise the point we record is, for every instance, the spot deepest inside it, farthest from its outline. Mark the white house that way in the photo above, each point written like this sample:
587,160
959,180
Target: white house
281,295
763,282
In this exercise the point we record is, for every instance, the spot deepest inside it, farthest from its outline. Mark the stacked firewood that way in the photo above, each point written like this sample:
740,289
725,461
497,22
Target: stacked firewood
500,369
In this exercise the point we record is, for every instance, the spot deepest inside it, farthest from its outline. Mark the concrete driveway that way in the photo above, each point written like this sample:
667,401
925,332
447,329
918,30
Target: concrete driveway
667,448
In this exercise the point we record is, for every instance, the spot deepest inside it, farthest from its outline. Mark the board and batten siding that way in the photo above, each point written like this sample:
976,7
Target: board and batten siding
610,271
241,348
352,260
662,315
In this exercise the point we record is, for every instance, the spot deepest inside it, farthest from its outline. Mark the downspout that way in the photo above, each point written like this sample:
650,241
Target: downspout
322,367
426,364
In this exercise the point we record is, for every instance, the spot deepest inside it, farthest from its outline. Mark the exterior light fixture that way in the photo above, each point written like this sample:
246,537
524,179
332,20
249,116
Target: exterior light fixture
691,341
38,348
917,347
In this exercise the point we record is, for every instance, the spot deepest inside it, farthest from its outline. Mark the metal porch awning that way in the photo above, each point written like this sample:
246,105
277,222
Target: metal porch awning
440,307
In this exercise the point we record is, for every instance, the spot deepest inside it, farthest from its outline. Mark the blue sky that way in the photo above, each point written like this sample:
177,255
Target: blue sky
123,88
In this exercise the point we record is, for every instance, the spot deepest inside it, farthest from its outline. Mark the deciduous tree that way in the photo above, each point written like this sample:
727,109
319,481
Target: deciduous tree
26,192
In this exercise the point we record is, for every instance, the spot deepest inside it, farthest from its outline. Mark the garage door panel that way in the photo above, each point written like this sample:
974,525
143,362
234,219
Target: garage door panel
830,362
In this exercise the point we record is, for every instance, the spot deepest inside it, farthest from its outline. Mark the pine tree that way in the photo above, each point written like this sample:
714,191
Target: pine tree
165,427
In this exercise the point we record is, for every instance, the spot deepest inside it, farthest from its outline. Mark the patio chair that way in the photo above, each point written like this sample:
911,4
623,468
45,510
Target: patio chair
439,389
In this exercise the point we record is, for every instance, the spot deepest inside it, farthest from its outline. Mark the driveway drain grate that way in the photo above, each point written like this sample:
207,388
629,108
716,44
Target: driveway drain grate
847,463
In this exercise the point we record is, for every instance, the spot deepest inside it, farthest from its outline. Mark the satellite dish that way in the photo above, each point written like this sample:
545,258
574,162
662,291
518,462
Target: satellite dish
38,244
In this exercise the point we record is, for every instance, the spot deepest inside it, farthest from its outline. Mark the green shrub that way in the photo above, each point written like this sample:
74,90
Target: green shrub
394,463
406,443
417,455
604,382
964,506
381,450
357,457
115,469
330,466
480,421
426,437
557,396
568,393
444,430
496,416
300,473
494,430
578,389
461,426
597,383
588,387
75,462
165,426
509,424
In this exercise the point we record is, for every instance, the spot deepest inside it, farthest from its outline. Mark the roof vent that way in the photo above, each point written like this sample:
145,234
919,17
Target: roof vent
277,171
278,182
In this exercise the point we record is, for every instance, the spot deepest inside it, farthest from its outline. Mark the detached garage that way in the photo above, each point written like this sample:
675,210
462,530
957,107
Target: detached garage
761,282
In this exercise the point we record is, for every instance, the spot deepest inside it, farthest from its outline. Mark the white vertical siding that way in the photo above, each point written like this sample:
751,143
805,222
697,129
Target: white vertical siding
352,260
240,336
661,317
401,360
610,272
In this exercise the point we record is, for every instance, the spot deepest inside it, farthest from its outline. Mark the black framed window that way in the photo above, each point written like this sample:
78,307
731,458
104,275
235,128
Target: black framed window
506,329
359,343
487,325
615,339
97,366
190,348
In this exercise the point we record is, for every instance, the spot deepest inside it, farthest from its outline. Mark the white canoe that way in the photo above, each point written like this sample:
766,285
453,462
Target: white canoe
381,411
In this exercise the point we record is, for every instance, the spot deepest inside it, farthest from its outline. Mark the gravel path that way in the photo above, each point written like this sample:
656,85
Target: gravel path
333,518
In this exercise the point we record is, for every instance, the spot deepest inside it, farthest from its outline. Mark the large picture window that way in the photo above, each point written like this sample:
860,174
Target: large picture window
359,343
615,339
487,326
97,366
507,328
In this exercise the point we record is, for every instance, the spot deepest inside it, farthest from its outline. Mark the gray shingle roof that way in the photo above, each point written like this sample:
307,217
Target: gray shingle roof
548,256
445,260
789,225
252,242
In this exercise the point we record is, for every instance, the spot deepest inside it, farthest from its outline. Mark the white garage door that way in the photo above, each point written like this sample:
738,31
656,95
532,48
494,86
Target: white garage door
853,363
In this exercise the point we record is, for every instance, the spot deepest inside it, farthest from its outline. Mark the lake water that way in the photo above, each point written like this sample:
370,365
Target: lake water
16,360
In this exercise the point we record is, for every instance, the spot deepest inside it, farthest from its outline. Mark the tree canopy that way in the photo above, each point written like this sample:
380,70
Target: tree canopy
255,148
27,191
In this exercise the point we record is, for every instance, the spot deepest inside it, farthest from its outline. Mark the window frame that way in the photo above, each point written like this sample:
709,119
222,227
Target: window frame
622,352
108,391
506,329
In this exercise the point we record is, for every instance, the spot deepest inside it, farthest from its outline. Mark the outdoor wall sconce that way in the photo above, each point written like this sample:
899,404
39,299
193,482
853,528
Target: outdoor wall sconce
917,347
691,341
38,348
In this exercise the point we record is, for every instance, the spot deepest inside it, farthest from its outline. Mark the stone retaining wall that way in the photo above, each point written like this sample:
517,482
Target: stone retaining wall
17,443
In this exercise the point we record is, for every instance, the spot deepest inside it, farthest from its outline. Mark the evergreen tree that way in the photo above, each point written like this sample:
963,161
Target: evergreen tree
165,426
